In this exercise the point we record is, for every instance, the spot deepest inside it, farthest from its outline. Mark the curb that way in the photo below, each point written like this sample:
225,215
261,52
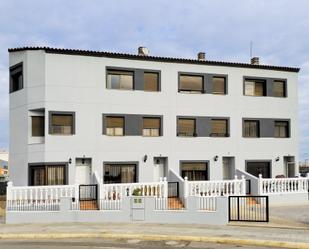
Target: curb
148,237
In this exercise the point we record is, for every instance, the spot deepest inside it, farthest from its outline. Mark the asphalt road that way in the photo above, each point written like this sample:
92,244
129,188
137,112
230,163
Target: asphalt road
110,244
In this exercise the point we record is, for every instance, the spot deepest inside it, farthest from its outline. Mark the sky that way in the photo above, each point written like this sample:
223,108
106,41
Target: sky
223,29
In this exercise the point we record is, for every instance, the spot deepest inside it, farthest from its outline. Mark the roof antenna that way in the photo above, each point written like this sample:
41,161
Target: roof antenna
251,48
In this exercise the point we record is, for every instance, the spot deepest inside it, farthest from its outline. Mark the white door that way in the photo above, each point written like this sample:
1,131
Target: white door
83,172
159,168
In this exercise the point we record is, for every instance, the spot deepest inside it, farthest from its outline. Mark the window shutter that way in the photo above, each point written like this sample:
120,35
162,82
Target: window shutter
151,82
219,126
114,122
186,126
191,83
151,123
218,85
62,120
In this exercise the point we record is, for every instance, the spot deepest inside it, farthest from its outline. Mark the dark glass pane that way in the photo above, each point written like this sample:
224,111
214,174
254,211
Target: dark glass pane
38,126
191,83
151,82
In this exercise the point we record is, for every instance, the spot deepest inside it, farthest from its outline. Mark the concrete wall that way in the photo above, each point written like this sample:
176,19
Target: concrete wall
58,82
146,210
288,199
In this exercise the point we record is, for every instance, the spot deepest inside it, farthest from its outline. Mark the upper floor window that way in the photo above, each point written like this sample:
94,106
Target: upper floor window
279,88
186,127
117,79
37,123
255,87
219,128
151,81
219,85
115,126
251,128
281,129
191,83
16,78
151,127
62,123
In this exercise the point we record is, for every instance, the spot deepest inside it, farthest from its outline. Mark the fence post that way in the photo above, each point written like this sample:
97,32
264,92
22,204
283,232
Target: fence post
243,182
185,187
9,195
260,184
165,187
76,192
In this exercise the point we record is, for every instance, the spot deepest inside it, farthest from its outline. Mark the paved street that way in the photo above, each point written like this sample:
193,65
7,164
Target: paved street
110,244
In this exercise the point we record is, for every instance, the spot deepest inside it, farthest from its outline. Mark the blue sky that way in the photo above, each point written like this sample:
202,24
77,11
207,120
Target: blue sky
221,28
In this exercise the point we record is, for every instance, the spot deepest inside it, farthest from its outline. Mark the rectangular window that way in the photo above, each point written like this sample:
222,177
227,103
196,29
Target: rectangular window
255,87
62,124
48,175
38,126
151,82
186,127
151,127
16,78
279,88
219,128
119,173
122,80
251,128
191,83
195,171
219,85
281,129
115,126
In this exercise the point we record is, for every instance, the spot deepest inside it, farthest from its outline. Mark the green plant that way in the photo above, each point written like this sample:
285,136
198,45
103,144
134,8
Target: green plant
137,192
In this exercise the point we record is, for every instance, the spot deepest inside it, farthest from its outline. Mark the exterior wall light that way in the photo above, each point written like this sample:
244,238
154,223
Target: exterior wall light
145,158
277,159
216,158
70,160
83,160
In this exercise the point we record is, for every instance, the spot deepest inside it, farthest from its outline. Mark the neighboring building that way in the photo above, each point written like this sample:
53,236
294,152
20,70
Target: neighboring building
4,164
133,118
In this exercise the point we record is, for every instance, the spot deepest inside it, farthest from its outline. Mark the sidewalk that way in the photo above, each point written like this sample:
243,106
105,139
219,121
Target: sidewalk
231,234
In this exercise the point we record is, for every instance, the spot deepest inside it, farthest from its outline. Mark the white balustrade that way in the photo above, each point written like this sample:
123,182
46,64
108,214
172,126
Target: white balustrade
215,188
283,185
207,203
39,198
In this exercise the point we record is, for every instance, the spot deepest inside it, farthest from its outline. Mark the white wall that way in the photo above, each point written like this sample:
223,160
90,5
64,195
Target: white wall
77,83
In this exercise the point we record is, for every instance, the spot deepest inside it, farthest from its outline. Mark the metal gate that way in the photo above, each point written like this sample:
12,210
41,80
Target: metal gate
88,196
173,189
249,208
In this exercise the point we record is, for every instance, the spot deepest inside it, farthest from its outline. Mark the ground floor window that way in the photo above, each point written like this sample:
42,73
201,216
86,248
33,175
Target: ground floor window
47,175
259,167
119,173
195,171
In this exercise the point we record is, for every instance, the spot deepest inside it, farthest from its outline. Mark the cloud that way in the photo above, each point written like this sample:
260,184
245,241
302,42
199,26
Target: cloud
223,29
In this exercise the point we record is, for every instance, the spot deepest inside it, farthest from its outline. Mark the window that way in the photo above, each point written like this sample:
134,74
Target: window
120,80
257,168
281,129
47,175
279,88
62,123
251,128
191,83
114,126
151,82
195,171
38,126
219,85
186,127
151,127
16,78
219,128
119,173
255,87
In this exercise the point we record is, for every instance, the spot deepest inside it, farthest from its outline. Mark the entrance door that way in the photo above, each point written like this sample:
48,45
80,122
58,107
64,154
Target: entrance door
159,168
228,168
83,171
289,162
257,168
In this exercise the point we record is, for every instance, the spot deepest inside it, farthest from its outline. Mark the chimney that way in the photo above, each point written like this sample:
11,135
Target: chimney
201,56
255,61
143,51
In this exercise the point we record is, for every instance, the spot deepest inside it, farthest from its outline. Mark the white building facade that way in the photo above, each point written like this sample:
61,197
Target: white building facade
134,118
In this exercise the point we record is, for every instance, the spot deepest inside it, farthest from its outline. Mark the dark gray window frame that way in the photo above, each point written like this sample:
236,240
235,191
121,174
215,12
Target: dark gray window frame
138,77
203,125
19,67
207,81
227,126
196,161
190,118
44,164
137,119
259,161
104,119
136,163
269,82
251,119
289,127
50,113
